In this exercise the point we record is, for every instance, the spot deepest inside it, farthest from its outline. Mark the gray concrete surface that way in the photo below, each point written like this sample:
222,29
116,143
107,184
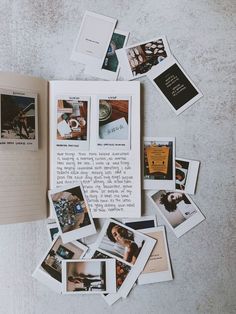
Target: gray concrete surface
36,38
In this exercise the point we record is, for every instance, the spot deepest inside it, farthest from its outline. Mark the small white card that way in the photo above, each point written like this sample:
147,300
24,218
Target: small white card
88,276
72,213
137,60
159,163
49,270
158,267
110,67
186,174
115,130
93,39
174,85
178,210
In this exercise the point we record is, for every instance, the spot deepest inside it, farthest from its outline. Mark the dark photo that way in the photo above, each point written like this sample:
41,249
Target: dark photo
143,57
17,117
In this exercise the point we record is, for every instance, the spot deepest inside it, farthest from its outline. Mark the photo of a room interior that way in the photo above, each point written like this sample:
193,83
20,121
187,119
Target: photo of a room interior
72,120
58,252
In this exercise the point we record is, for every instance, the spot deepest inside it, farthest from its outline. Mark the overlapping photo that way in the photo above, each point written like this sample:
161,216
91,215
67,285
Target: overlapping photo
178,210
186,173
89,276
137,60
128,247
73,122
19,120
159,163
71,212
49,270
114,123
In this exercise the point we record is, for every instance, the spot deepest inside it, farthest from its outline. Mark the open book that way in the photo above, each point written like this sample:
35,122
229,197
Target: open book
84,131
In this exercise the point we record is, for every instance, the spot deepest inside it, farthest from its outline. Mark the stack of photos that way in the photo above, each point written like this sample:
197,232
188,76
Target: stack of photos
128,247
49,270
89,276
178,210
158,267
159,163
71,212
114,122
19,120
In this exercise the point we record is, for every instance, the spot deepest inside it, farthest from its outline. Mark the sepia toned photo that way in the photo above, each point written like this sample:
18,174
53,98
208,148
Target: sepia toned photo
19,120
72,213
89,276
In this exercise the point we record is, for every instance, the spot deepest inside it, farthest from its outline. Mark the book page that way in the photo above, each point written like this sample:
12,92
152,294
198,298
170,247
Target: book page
24,173
95,139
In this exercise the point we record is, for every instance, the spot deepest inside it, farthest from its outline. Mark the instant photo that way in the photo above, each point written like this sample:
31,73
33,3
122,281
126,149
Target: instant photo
186,173
158,163
49,270
158,267
144,222
137,60
19,120
53,230
175,86
178,210
114,123
127,246
72,213
93,40
110,67
73,122
89,276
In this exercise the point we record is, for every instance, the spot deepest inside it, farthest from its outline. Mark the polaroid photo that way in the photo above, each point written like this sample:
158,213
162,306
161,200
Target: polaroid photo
144,222
113,122
122,271
137,60
18,120
73,216
93,39
49,270
110,67
53,230
178,210
127,246
73,116
174,85
186,174
159,163
158,267
89,276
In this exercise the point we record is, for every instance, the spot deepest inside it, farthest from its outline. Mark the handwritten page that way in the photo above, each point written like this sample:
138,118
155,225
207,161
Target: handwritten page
109,168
